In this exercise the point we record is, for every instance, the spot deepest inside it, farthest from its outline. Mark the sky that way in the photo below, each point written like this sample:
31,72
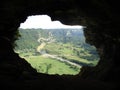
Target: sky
44,22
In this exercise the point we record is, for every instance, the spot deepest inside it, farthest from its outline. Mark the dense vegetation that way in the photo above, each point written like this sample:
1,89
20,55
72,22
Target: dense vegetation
55,51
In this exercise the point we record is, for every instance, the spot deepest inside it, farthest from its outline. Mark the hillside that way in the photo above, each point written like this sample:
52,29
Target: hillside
63,47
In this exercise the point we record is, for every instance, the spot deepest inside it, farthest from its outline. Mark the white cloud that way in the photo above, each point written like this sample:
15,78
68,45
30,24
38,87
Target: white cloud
45,22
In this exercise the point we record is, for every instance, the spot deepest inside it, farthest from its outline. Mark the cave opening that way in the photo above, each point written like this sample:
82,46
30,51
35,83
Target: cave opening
54,48
102,20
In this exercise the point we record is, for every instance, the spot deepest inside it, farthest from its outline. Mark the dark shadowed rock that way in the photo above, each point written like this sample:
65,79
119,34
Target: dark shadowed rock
101,17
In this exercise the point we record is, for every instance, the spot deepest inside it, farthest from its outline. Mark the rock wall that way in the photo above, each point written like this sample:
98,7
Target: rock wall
101,18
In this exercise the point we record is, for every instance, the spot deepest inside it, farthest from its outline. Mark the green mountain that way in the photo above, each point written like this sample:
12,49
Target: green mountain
30,36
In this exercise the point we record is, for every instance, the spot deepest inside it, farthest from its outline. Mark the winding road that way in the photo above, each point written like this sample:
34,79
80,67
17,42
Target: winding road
61,59
42,45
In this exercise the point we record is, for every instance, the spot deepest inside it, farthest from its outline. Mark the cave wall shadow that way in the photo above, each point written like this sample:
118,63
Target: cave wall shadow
100,17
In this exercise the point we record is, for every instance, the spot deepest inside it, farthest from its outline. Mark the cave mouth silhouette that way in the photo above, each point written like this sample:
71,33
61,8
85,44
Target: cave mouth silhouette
102,20
47,53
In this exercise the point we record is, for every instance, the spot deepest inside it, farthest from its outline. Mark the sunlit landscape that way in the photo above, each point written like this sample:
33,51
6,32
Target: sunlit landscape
56,50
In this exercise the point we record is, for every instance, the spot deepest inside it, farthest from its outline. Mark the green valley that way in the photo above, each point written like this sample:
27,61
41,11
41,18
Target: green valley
56,51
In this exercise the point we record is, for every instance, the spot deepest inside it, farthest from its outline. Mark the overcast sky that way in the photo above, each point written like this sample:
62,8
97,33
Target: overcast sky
44,22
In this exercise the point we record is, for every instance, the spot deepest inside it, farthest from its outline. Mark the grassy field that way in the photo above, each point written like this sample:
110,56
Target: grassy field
69,51
51,66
